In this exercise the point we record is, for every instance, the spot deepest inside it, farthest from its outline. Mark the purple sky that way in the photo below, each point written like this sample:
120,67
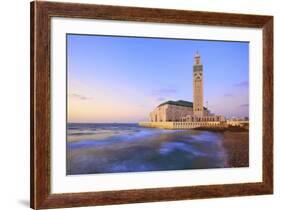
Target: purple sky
122,79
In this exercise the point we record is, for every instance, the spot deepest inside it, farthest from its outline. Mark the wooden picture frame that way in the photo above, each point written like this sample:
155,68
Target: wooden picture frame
41,14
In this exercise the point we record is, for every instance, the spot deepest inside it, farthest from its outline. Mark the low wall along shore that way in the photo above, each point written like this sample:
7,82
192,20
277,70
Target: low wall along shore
184,125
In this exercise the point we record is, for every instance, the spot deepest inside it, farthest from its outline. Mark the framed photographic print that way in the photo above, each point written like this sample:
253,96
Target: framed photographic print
140,105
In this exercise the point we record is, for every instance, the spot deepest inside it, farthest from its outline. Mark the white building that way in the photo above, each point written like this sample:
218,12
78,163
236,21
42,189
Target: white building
185,111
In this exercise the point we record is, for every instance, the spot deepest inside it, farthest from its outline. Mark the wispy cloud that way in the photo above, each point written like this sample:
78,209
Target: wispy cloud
161,99
244,105
79,96
164,91
242,84
163,94
228,95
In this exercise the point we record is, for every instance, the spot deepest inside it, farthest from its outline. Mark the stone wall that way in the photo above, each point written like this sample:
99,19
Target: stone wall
170,112
183,125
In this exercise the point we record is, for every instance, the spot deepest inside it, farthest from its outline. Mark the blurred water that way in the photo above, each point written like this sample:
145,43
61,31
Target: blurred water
109,148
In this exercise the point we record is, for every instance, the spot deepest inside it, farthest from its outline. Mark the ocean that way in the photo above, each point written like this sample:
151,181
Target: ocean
111,148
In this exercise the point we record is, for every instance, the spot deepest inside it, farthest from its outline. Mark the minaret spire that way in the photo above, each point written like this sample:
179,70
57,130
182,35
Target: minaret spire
197,58
198,86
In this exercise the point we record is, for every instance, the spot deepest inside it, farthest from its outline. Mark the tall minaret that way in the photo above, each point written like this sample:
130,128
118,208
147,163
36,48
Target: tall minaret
197,86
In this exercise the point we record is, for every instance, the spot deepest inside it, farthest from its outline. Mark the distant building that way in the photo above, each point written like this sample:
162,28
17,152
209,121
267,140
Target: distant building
185,111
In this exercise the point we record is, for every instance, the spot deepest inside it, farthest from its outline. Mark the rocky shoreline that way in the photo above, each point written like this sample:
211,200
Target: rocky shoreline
236,144
223,129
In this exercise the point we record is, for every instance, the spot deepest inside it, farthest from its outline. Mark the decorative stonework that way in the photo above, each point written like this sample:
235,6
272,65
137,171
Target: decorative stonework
185,111
198,86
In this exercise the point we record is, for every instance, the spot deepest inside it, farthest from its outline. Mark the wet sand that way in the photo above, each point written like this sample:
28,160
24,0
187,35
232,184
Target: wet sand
237,146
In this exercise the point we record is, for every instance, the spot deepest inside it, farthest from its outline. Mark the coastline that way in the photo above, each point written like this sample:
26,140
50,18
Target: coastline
108,148
236,143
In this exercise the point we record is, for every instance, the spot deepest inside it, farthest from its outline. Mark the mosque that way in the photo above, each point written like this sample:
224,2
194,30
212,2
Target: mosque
185,114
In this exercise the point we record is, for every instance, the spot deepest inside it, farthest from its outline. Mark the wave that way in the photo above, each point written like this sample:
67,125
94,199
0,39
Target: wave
180,146
108,132
124,148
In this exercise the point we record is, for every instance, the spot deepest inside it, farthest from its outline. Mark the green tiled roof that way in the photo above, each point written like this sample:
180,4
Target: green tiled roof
179,103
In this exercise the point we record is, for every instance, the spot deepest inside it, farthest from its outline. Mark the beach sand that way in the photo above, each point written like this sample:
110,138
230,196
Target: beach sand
237,146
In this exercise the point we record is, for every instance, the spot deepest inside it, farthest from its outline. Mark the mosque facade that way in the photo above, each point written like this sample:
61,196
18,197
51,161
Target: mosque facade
186,111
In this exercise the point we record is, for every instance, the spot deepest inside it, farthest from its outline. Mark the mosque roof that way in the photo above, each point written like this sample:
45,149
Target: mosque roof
179,103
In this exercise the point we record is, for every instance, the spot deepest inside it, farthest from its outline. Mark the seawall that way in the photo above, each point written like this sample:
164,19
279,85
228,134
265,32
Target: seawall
184,125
